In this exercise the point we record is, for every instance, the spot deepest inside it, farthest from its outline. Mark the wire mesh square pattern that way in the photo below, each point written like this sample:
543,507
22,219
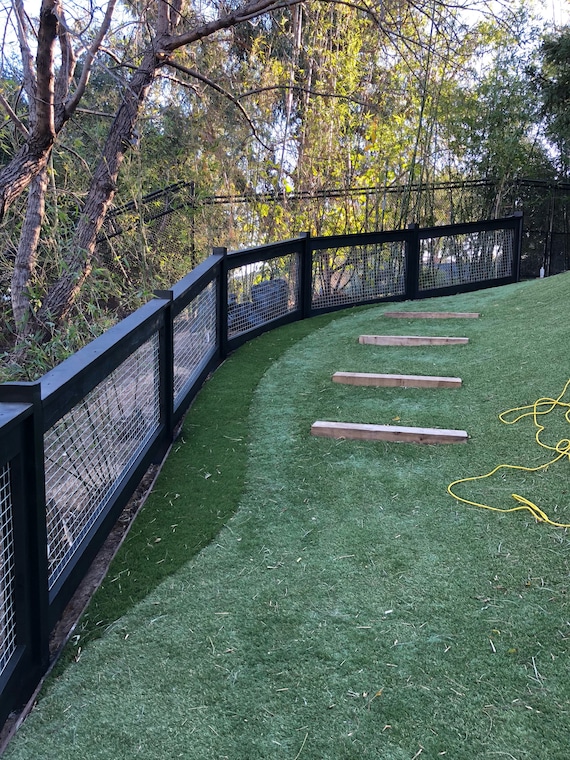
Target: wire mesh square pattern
195,338
261,292
89,449
7,600
356,274
465,258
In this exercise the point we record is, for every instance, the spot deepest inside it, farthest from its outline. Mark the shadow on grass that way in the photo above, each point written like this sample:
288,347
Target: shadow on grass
199,487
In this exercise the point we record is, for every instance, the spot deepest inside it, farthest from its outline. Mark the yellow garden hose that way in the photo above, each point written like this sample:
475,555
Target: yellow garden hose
541,407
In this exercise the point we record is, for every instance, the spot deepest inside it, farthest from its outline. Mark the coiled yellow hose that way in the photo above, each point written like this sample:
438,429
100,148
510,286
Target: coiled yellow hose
541,407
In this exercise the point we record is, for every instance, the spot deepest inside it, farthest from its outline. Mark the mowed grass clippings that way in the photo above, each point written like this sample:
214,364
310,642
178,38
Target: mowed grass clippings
351,608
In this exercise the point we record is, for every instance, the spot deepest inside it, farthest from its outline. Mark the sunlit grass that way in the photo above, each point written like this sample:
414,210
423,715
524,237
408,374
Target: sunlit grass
348,607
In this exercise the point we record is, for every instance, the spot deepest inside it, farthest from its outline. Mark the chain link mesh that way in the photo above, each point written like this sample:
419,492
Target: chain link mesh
261,292
195,338
465,258
7,606
356,274
88,450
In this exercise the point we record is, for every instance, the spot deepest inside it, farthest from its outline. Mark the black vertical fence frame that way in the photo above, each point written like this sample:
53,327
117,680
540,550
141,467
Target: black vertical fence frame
28,410
19,448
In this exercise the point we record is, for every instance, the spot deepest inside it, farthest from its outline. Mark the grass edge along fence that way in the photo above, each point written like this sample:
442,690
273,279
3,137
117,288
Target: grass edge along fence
75,444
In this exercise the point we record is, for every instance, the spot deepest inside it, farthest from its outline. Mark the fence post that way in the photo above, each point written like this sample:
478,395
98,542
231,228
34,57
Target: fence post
412,262
306,275
30,559
517,246
166,374
222,301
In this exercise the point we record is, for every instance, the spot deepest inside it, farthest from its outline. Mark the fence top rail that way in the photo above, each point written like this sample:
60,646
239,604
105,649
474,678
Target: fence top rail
325,242
186,288
12,413
266,251
270,250
507,222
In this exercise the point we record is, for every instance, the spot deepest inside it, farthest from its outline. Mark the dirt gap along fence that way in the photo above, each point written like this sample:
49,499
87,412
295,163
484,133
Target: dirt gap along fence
75,444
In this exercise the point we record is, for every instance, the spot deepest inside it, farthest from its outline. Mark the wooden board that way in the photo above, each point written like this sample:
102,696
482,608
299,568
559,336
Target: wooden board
362,432
432,314
393,381
410,340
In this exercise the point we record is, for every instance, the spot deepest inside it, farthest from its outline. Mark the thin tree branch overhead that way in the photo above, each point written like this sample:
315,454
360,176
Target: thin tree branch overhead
206,80
20,126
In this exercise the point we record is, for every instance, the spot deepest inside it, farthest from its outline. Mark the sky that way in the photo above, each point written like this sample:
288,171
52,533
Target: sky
557,11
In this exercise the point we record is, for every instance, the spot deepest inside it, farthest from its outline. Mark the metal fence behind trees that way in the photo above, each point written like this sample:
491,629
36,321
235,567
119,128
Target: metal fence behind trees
75,444
179,223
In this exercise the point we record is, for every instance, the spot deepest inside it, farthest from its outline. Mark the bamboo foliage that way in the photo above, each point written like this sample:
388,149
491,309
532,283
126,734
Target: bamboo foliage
301,101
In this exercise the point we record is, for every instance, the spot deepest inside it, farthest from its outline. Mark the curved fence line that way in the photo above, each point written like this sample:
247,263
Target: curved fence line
75,444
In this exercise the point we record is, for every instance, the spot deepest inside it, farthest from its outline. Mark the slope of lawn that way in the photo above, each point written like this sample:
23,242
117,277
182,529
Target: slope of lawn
332,600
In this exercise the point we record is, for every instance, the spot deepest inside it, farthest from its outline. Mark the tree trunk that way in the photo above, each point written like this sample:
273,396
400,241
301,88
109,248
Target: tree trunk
26,255
29,161
79,261
32,158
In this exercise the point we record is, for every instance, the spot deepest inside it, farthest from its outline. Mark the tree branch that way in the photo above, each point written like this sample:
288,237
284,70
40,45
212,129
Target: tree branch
175,13
162,23
43,128
307,91
91,112
180,83
245,13
29,79
72,103
196,75
20,126
26,255
356,6
67,67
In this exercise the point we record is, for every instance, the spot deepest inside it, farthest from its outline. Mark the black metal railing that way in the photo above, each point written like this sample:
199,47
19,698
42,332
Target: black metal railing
75,444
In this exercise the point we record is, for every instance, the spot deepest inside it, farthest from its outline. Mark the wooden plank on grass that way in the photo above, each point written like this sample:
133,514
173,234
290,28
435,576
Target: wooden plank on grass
363,432
395,381
410,340
432,314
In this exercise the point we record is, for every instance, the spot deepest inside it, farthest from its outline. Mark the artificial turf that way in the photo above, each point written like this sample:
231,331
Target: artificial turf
292,597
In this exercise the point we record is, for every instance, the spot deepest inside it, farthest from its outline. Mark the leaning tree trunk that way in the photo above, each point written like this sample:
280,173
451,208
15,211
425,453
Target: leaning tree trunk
26,255
33,156
79,260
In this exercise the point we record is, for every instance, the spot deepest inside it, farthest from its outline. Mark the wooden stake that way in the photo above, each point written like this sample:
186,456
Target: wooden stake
432,314
393,381
410,340
363,432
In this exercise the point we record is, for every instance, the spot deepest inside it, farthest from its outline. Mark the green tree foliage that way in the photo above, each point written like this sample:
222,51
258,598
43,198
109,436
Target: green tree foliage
298,102
554,86
496,133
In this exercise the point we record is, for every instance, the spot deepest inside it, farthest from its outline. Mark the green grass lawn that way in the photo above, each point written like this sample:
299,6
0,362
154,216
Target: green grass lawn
284,596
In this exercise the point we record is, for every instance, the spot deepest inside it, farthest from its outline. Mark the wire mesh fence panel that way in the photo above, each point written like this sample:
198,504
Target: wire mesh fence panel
195,338
465,258
357,274
152,239
261,292
7,599
170,240
89,449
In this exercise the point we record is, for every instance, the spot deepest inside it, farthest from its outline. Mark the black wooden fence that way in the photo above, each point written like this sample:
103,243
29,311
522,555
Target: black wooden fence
75,444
